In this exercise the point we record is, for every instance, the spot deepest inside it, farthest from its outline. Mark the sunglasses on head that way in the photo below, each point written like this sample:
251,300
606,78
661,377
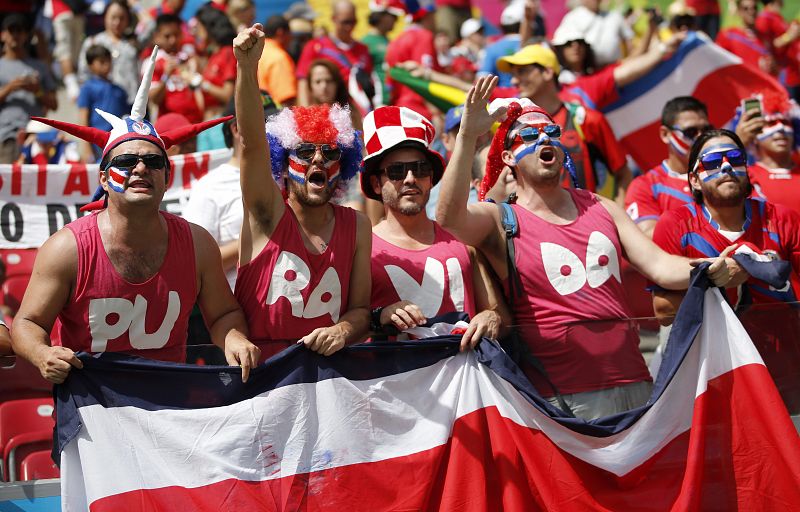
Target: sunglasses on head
713,161
691,132
129,161
399,170
306,151
531,134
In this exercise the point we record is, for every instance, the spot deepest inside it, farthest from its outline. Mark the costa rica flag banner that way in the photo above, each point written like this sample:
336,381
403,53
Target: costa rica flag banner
698,68
420,426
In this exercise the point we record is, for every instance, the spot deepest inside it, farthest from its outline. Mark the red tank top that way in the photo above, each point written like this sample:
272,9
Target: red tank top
286,292
570,274
437,279
109,314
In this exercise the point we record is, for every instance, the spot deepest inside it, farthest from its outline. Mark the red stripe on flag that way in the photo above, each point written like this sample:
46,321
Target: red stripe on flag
742,453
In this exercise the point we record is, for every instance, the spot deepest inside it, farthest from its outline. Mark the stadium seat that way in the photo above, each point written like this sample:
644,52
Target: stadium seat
38,465
19,265
19,379
25,426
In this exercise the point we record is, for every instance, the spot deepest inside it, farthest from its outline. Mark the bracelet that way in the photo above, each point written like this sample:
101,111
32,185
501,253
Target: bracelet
375,320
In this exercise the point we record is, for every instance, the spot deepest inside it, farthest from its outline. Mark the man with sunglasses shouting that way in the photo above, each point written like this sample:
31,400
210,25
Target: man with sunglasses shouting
303,261
722,213
418,269
127,278
665,186
566,259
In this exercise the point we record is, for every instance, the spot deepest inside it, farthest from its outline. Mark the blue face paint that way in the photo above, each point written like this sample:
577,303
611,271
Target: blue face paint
717,161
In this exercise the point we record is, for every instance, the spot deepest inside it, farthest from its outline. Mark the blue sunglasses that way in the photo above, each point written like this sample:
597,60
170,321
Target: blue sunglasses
531,134
711,162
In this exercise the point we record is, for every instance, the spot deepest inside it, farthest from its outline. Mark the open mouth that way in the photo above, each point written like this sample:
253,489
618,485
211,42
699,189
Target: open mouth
547,155
317,178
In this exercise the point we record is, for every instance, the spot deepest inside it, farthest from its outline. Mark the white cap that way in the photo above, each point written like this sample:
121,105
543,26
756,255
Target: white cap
513,13
469,27
566,33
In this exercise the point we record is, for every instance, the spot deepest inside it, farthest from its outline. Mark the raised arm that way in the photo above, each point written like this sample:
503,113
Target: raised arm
49,289
223,316
668,271
475,224
261,196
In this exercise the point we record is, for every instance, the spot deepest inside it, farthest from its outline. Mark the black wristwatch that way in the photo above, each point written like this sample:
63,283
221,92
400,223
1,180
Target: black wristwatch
375,320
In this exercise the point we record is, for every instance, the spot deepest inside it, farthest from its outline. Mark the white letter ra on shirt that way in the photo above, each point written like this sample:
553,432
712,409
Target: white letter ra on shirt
130,318
291,276
566,272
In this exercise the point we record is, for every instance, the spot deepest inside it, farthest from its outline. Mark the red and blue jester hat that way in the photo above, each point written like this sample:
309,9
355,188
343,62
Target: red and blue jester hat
522,112
133,127
318,124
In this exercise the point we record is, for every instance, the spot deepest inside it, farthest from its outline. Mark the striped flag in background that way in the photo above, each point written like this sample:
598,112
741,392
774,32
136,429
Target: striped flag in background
420,426
699,68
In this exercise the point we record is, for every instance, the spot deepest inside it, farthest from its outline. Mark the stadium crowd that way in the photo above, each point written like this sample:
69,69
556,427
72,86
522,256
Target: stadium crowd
365,208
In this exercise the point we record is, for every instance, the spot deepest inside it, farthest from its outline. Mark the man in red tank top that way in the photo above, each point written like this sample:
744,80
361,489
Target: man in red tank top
418,269
303,262
126,279
567,256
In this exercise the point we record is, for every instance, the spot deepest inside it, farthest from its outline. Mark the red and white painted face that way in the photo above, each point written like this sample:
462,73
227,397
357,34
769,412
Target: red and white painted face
317,164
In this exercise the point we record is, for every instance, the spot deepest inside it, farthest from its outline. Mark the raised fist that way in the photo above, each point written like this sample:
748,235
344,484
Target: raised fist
248,45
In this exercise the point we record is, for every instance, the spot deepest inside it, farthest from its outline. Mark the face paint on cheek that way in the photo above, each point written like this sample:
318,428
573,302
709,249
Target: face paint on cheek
737,172
298,169
332,170
775,129
117,178
679,144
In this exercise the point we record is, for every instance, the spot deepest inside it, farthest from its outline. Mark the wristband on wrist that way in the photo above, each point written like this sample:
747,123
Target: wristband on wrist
375,320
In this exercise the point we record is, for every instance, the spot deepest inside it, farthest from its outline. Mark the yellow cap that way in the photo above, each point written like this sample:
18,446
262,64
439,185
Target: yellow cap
531,54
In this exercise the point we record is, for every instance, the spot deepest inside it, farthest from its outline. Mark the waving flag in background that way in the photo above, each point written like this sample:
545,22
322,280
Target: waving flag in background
699,68
420,426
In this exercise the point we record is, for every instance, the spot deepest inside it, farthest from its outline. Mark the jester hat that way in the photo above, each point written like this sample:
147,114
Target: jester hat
517,107
133,127
319,124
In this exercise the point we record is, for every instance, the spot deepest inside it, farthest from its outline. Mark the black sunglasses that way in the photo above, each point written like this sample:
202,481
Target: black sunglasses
692,132
129,161
399,170
307,150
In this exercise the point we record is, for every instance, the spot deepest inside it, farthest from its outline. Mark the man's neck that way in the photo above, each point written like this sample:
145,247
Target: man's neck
312,218
343,38
14,53
413,228
549,100
676,164
129,223
776,161
729,218
549,201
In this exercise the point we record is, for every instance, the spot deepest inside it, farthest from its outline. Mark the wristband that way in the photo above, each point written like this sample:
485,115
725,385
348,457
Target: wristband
375,320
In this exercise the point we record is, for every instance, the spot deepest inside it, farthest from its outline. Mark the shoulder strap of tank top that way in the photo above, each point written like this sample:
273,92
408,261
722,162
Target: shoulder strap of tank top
516,348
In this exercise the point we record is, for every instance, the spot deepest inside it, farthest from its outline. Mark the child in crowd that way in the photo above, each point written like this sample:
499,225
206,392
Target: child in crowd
99,92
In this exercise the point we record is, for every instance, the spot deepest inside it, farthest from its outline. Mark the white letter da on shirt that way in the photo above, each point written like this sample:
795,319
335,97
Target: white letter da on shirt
130,317
291,276
429,294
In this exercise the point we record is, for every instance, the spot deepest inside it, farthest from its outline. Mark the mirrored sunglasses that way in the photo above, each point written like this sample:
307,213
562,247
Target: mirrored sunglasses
531,133
711,162
306,151
398,171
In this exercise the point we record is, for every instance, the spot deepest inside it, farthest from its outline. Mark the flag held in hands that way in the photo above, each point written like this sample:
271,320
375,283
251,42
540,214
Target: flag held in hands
420,426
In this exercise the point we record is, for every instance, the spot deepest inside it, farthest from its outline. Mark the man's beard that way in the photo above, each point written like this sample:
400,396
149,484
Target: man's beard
300,192
715,199
392,201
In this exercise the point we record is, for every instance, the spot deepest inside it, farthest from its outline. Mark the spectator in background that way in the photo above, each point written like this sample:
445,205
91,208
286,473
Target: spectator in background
666,186
510,20
606,31
351,57
44,145
301,24
451,14
175,79
776,173
26,86
68,30
98,92
214,36
784,40
117,19
586,134
276,70
744,42
707,15
241,13
472,41
327,87
382,18
148,21
414,44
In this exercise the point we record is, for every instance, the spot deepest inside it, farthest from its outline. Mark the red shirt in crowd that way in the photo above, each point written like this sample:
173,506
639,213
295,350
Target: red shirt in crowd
657,191
596,91
220,68
781,186
703,7
345,56
743,43
769,26
178,95
597,133
414,44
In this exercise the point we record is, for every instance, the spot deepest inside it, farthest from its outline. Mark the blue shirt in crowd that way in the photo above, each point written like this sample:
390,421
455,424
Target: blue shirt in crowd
507,45
100,93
